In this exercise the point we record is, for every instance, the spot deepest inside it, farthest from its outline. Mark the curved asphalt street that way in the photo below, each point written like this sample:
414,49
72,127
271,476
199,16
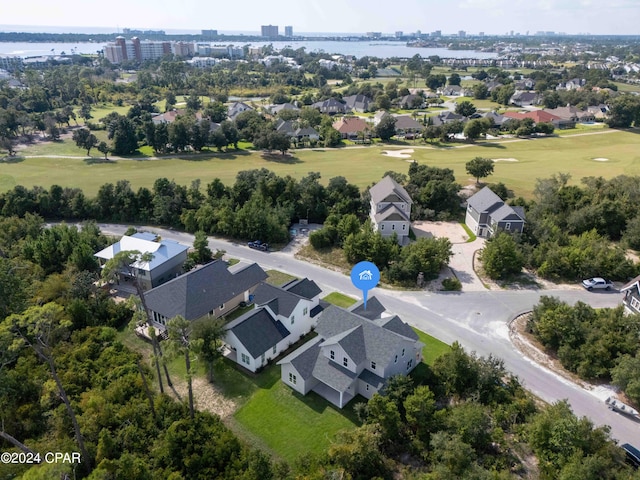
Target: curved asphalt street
477,320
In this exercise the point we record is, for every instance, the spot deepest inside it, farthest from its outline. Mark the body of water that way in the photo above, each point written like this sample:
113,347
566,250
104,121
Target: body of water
359,49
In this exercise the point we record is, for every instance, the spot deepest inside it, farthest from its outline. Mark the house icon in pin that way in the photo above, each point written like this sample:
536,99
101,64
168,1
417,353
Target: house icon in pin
365,275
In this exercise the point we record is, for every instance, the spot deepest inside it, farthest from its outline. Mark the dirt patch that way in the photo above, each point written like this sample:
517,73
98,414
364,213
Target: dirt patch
504,159
451,230
205,397
404,153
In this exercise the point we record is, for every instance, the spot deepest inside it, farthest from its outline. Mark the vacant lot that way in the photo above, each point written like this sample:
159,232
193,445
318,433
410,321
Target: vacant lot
537,158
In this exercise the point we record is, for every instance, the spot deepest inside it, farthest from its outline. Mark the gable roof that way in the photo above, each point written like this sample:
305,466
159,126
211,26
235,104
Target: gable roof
633,283
258,331
285,126
304,358
275,109
358,102
374,308
199,291
485,200
504,213
360,338
391,213
395,324
350,125
330,104
162,251
405,122
306,132
537,116
388,186
304,287
286,301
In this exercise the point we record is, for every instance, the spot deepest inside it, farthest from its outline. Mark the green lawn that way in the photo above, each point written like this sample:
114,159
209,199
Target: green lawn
538,158
433,347
276,277
290,424
339,299
627,87
483,104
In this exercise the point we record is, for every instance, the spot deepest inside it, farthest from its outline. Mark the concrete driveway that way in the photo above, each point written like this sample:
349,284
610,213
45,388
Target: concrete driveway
461,263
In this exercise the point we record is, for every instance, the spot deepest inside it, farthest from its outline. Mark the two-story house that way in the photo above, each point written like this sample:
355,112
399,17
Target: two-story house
351,355
391,209
631,300
166,262
282,315
487,213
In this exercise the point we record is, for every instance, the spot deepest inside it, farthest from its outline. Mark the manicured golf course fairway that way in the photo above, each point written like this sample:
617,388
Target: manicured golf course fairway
520,162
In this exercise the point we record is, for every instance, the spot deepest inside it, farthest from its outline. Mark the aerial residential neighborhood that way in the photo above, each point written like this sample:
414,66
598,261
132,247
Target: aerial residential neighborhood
243,245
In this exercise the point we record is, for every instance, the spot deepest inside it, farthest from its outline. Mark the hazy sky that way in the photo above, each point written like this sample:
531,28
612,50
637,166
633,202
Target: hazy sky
490,16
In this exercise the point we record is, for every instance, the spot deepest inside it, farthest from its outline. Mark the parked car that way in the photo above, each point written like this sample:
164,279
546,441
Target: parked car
633,455
258,245
597,283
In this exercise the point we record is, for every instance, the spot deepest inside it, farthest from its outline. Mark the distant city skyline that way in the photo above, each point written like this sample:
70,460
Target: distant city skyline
493,17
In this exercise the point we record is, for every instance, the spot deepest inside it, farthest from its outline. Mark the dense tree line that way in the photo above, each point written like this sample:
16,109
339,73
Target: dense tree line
575,232
259,205
467,418
595,344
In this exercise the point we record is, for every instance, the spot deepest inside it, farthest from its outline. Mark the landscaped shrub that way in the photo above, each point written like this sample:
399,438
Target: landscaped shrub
451,285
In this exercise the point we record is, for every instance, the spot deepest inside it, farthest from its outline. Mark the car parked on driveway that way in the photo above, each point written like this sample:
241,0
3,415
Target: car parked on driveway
597,283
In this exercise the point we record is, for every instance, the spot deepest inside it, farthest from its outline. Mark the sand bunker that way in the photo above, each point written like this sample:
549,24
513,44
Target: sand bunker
505,159
601,159
405,153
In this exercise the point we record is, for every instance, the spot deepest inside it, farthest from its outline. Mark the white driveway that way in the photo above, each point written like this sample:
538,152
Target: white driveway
461,263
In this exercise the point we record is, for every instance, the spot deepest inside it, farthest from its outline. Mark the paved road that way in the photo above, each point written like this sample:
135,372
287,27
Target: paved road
477,320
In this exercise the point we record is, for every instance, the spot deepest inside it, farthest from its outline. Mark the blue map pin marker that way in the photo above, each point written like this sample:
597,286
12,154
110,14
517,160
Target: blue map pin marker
365,276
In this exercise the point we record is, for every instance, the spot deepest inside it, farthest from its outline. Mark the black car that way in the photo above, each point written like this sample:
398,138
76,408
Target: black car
633,454
258,245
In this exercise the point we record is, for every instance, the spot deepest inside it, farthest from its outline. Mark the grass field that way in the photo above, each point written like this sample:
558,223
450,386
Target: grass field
536,158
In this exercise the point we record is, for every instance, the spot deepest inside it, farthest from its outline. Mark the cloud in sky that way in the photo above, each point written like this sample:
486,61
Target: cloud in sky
490,16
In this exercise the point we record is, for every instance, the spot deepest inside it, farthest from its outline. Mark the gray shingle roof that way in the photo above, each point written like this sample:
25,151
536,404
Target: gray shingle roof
352,342
199,291
332,374
391,212
304,358
485,200
258,331
371,378
286,300
379,343
304,287
396,325
504,213
374,308
388,186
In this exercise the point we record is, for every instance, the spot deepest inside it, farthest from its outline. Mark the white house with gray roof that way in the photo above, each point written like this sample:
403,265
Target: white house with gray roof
209,291
487,213
391,209
166,263
282,315
351,355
